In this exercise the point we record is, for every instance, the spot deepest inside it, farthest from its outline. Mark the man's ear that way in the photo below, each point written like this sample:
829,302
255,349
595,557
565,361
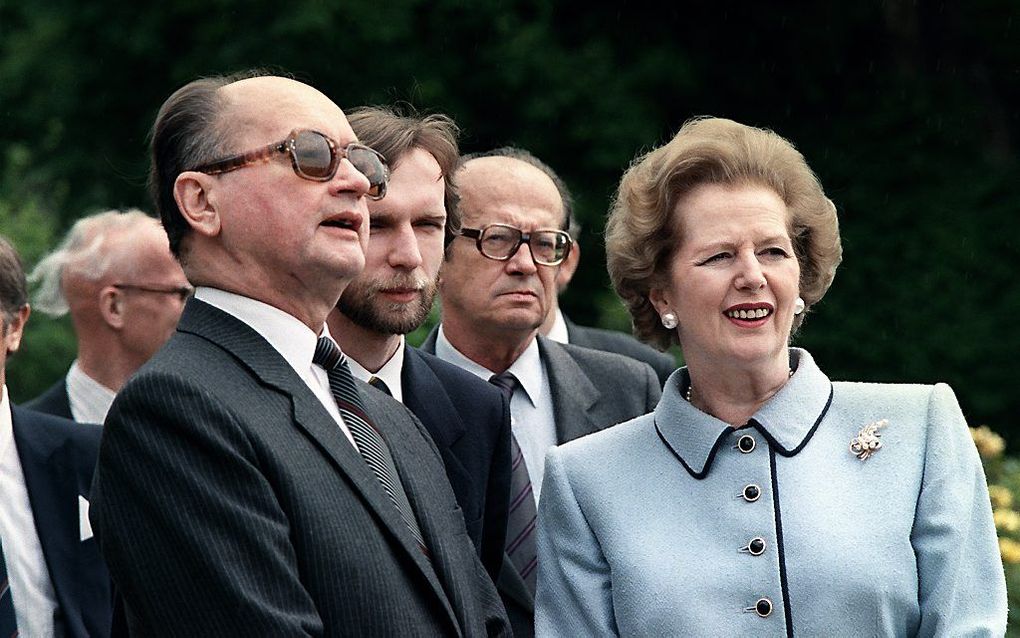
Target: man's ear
195,194
568,268
15,328
111,306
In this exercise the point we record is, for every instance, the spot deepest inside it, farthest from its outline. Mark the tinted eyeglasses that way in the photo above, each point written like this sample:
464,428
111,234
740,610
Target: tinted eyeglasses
501,242
314,156
182,292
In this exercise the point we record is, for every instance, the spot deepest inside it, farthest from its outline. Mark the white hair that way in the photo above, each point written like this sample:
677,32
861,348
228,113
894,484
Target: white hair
84,251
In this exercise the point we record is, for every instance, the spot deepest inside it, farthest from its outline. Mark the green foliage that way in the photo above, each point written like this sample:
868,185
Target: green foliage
1003,475
905,110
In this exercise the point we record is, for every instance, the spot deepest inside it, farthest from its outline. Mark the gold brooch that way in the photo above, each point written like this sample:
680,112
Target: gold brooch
868,440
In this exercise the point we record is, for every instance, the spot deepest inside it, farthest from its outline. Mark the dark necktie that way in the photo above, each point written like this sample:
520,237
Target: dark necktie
520,531
379,384
369,442
8,622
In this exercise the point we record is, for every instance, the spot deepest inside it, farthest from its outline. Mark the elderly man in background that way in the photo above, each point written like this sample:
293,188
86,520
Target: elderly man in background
52,579
124,290
497,285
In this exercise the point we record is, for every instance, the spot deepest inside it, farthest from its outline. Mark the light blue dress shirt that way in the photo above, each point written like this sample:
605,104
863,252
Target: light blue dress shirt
668,525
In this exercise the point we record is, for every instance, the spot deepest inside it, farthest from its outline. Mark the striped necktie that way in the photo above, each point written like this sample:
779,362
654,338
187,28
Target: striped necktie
523,515
379,384
369,442
8,622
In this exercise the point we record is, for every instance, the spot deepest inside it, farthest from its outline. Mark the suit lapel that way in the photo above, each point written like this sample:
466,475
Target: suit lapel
53,492
426,397
573,394
433,519
310,416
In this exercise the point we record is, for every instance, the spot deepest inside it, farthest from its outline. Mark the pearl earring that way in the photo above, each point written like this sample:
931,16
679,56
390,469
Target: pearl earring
669,321
798,306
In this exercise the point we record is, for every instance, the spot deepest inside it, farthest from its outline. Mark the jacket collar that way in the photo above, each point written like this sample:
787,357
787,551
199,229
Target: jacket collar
787,420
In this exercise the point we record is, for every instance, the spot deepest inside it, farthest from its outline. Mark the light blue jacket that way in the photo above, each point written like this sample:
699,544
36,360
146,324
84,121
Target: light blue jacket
645,528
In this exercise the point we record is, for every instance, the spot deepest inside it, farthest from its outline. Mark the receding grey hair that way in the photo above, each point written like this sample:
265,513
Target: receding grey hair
85,251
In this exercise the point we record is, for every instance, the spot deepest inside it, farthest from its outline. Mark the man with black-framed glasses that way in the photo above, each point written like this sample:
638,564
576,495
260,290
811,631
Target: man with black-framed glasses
114,274
248,485
498,282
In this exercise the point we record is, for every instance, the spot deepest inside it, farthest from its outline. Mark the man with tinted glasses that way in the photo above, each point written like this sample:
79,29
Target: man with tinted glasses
124,290
469,420
247,484
498,283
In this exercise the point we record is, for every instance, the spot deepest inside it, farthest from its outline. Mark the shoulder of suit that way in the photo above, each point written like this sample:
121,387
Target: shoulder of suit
57,430
455,378
49,396
602,359
619,342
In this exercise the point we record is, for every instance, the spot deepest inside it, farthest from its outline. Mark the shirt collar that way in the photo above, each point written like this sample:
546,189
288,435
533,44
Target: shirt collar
527,368
389,373
286,333
90,400
558,332
6,424
787,420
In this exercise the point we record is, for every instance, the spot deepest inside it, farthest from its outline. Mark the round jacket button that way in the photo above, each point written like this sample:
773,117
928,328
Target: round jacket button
746,444
763,607
756,546
751,493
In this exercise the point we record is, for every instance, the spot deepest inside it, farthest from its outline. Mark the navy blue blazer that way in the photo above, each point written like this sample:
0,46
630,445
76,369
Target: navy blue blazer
53,401
469,421
58,458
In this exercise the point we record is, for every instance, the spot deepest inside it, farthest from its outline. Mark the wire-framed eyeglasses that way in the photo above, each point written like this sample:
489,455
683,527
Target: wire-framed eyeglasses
549,247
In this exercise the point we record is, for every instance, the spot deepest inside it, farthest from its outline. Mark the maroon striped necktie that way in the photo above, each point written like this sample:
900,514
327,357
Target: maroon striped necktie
523,515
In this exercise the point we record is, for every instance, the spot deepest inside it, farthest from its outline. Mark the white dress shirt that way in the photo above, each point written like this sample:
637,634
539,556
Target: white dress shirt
531,410
558,332
90,400
35,603
287,335
389,373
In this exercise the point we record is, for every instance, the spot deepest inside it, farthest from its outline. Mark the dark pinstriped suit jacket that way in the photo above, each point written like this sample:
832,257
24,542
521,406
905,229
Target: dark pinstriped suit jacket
228,503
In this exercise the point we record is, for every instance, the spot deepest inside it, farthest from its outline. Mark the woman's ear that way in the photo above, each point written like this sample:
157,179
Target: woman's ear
658,298
196,199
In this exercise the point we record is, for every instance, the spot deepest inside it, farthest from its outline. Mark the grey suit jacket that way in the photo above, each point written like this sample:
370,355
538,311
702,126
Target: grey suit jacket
228,502
621,343
591,390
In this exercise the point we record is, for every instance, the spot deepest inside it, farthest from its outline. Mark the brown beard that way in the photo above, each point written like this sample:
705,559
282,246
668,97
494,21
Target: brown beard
361,303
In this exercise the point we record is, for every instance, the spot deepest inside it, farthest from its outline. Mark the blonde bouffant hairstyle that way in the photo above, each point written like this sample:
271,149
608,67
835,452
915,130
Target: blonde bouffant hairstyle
643,233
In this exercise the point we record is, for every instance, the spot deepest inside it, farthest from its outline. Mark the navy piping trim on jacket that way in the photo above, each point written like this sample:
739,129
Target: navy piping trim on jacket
711,455
773,444
779,545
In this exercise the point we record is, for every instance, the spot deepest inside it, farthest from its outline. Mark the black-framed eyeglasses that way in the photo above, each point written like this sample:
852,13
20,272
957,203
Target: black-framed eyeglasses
500,242
182,292
314,156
